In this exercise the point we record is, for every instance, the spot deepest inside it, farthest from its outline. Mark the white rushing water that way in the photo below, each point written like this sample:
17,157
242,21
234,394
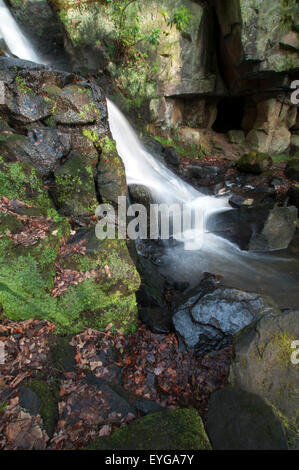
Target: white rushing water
143,169
15,40
268,273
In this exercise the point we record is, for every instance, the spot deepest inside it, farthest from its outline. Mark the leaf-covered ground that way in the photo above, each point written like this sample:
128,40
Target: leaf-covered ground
150,365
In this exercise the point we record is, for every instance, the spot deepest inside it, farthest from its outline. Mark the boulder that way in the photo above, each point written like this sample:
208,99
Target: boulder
265,363
166,430
236,137
254,163
75,188
257,228
292,169
208,322
240,420
293,194
171,156
75,105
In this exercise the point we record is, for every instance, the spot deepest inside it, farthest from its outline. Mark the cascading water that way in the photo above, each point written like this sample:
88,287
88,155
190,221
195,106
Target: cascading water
267,273
143,169
15,40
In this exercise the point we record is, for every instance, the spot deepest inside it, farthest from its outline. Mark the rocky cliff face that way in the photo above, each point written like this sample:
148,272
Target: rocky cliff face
230,68
55,148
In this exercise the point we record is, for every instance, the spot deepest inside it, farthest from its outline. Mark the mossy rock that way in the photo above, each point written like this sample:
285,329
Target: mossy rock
111,177
239,420
75,187
21,181
74,105
27,280
255,163
292,169
262,365
167,430
63,355
46,403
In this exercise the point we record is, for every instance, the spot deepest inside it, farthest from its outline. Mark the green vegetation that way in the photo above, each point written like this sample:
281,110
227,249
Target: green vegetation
194,152
167,430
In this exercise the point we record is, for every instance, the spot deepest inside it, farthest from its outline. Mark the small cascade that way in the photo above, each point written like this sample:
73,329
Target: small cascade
143,169
274,274
15,40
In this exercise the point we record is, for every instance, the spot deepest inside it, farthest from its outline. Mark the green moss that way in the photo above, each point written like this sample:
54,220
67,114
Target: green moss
48,399
75,187
62,355
20,181
282,343
22,86
254,162
92,135
167,430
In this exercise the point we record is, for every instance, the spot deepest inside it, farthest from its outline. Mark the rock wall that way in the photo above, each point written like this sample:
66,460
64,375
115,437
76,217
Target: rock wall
57,163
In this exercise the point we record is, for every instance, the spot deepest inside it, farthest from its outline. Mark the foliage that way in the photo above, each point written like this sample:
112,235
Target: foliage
126,18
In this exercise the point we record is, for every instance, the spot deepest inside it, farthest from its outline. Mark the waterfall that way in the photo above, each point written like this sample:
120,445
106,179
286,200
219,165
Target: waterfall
143,169
15,40
272,274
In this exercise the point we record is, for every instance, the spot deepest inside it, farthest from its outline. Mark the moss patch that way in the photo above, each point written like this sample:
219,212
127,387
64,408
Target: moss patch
167,430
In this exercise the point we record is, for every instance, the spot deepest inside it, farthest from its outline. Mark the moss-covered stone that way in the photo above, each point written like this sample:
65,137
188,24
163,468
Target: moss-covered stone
75,187
62,354
48,398
167,430
262,364
111,177
253,162
292,169
21,181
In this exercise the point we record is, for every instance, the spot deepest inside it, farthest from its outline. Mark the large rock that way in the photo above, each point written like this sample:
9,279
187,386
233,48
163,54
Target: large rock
292,169
239,420
254,162
207,322
75,282
263,364
167,430
258,228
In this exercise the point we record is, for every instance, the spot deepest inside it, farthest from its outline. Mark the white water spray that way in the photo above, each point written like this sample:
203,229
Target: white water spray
17,43
143,169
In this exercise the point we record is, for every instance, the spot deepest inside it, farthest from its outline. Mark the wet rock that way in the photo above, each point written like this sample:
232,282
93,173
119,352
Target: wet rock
263,364
171,156
260,228
252,198
239,420
166,430
254,163
208,322
141,195
292,169
75,106
293,195
204,175
236,137
158,319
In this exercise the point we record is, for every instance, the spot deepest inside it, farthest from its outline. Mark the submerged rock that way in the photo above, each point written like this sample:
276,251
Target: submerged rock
239,420
207,322
166,430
